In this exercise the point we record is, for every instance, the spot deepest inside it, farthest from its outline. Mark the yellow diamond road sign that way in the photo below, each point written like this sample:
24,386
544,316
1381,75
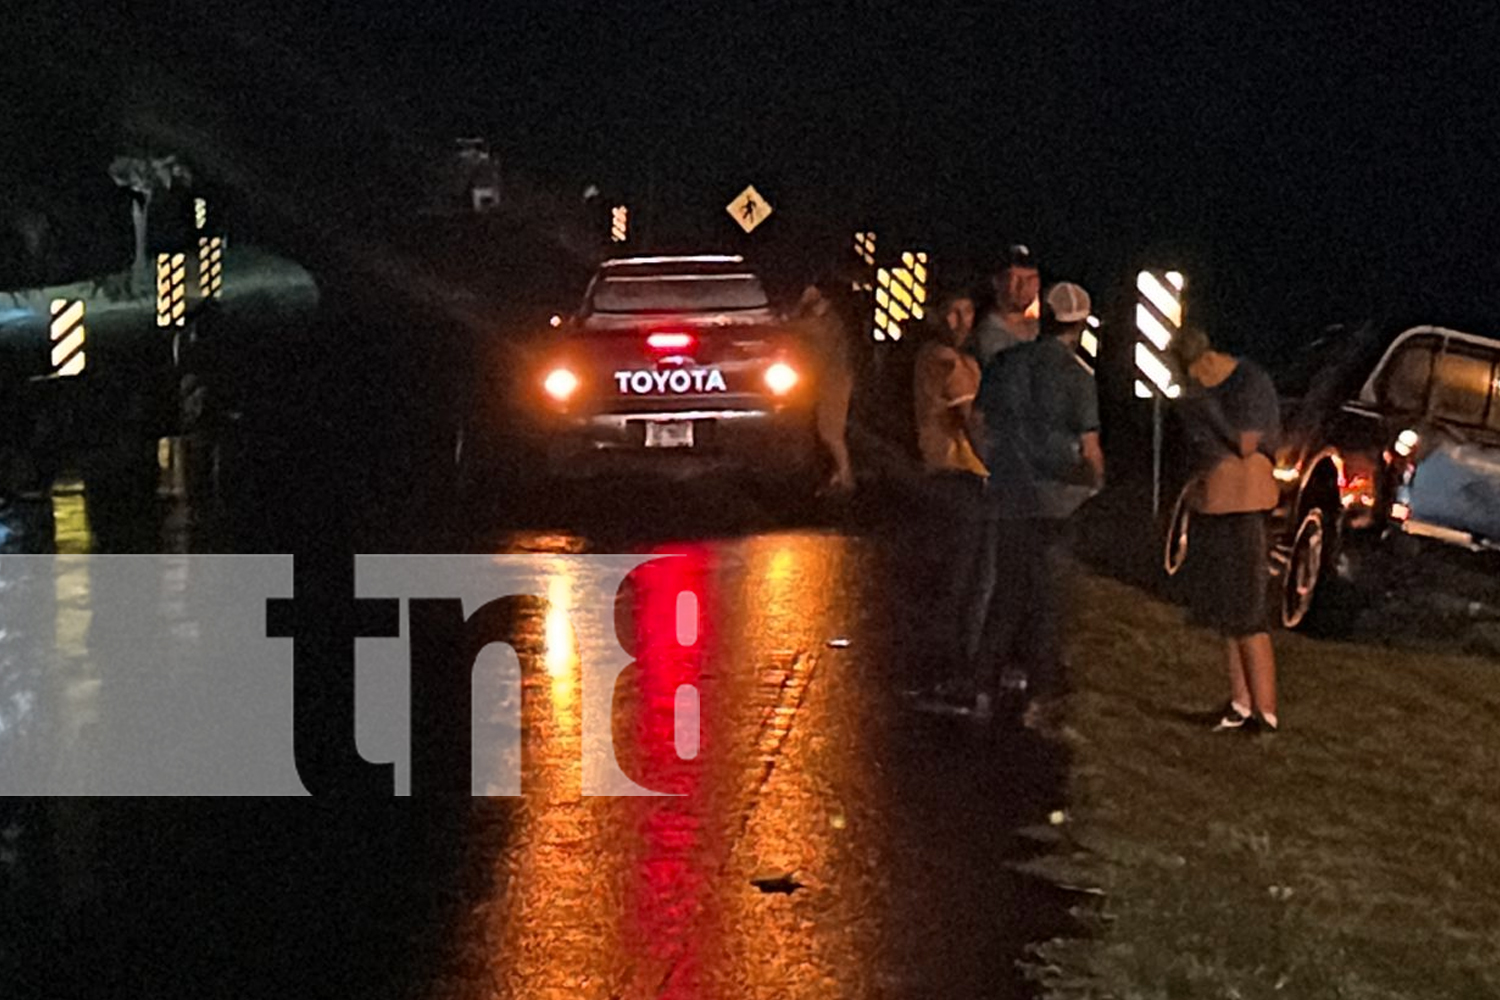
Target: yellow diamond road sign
749,209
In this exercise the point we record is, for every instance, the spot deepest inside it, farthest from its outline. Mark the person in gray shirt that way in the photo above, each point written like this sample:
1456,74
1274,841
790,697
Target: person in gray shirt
1006,323
1038,432
1232,417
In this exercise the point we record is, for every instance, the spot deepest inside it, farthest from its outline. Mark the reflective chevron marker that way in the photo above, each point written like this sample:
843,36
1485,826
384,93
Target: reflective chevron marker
171,289
68,335
1158,317
900,296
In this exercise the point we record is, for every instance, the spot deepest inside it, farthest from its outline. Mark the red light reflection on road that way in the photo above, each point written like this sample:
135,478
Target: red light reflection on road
673,612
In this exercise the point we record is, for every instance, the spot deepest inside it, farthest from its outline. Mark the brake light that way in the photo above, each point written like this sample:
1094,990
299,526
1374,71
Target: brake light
670,341
781,378
560,384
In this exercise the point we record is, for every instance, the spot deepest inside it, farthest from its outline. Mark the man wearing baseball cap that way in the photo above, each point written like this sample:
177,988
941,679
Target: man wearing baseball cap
1009,322
1036,425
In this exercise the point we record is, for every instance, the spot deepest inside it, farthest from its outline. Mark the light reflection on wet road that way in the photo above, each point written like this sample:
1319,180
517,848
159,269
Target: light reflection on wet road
653,897
801,781
889,830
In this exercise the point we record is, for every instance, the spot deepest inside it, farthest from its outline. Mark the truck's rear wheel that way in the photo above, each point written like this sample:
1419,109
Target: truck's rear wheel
1300,590
1175,547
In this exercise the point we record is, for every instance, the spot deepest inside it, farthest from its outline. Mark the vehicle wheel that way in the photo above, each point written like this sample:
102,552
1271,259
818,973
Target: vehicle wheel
1304,570
1175,547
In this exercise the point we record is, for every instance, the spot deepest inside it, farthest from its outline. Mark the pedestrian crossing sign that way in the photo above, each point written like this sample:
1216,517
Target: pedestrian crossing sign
749,209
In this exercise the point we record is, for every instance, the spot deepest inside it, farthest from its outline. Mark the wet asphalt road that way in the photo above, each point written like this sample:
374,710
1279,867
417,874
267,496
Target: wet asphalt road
881,834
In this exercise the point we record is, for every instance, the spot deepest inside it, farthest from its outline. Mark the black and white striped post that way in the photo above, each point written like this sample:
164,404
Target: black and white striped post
1158,318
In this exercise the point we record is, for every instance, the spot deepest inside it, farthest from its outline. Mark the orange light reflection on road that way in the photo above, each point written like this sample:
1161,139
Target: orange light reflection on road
652,896
559,656
546,940
812,750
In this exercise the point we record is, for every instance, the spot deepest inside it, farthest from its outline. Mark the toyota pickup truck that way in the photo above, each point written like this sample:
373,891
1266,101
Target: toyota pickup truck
1391,449
668,361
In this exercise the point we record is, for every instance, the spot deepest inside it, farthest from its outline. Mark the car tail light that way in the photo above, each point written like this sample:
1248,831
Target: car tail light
560,384
671,341
781,378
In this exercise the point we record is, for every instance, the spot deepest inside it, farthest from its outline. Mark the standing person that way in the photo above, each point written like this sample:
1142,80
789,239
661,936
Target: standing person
944,383
821,315
1232,418
1008,321
1037,422
950,531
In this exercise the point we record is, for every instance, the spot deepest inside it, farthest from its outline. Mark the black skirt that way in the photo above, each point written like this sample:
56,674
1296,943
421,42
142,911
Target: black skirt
1229,573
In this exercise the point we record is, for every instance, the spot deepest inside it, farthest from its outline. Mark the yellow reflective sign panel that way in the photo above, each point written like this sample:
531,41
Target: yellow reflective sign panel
171,289
67,335
900,296
749,209
210,266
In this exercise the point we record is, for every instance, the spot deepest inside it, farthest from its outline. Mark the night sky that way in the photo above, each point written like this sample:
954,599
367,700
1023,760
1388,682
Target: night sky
1299,161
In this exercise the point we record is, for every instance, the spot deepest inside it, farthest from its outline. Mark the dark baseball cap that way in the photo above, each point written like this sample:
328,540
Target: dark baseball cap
1016,255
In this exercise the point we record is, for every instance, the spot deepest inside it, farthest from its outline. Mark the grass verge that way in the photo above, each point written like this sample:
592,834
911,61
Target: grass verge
1354,855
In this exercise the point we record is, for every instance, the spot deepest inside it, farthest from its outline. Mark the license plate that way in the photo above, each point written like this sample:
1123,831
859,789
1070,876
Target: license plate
676,434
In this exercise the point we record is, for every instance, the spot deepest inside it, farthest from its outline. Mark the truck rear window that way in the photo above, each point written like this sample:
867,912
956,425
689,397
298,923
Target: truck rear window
1463,384
677,293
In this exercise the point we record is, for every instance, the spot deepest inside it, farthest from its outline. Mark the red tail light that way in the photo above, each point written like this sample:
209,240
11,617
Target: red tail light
671,341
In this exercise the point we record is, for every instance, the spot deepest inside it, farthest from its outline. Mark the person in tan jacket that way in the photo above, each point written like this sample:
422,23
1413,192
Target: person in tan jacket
1232,418
945,381
951,526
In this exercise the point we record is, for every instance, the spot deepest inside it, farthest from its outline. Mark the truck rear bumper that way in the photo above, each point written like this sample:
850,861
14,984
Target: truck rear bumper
1422,558
1449,536
753,439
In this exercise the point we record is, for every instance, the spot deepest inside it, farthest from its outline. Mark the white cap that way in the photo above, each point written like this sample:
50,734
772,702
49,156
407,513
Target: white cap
1069,303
